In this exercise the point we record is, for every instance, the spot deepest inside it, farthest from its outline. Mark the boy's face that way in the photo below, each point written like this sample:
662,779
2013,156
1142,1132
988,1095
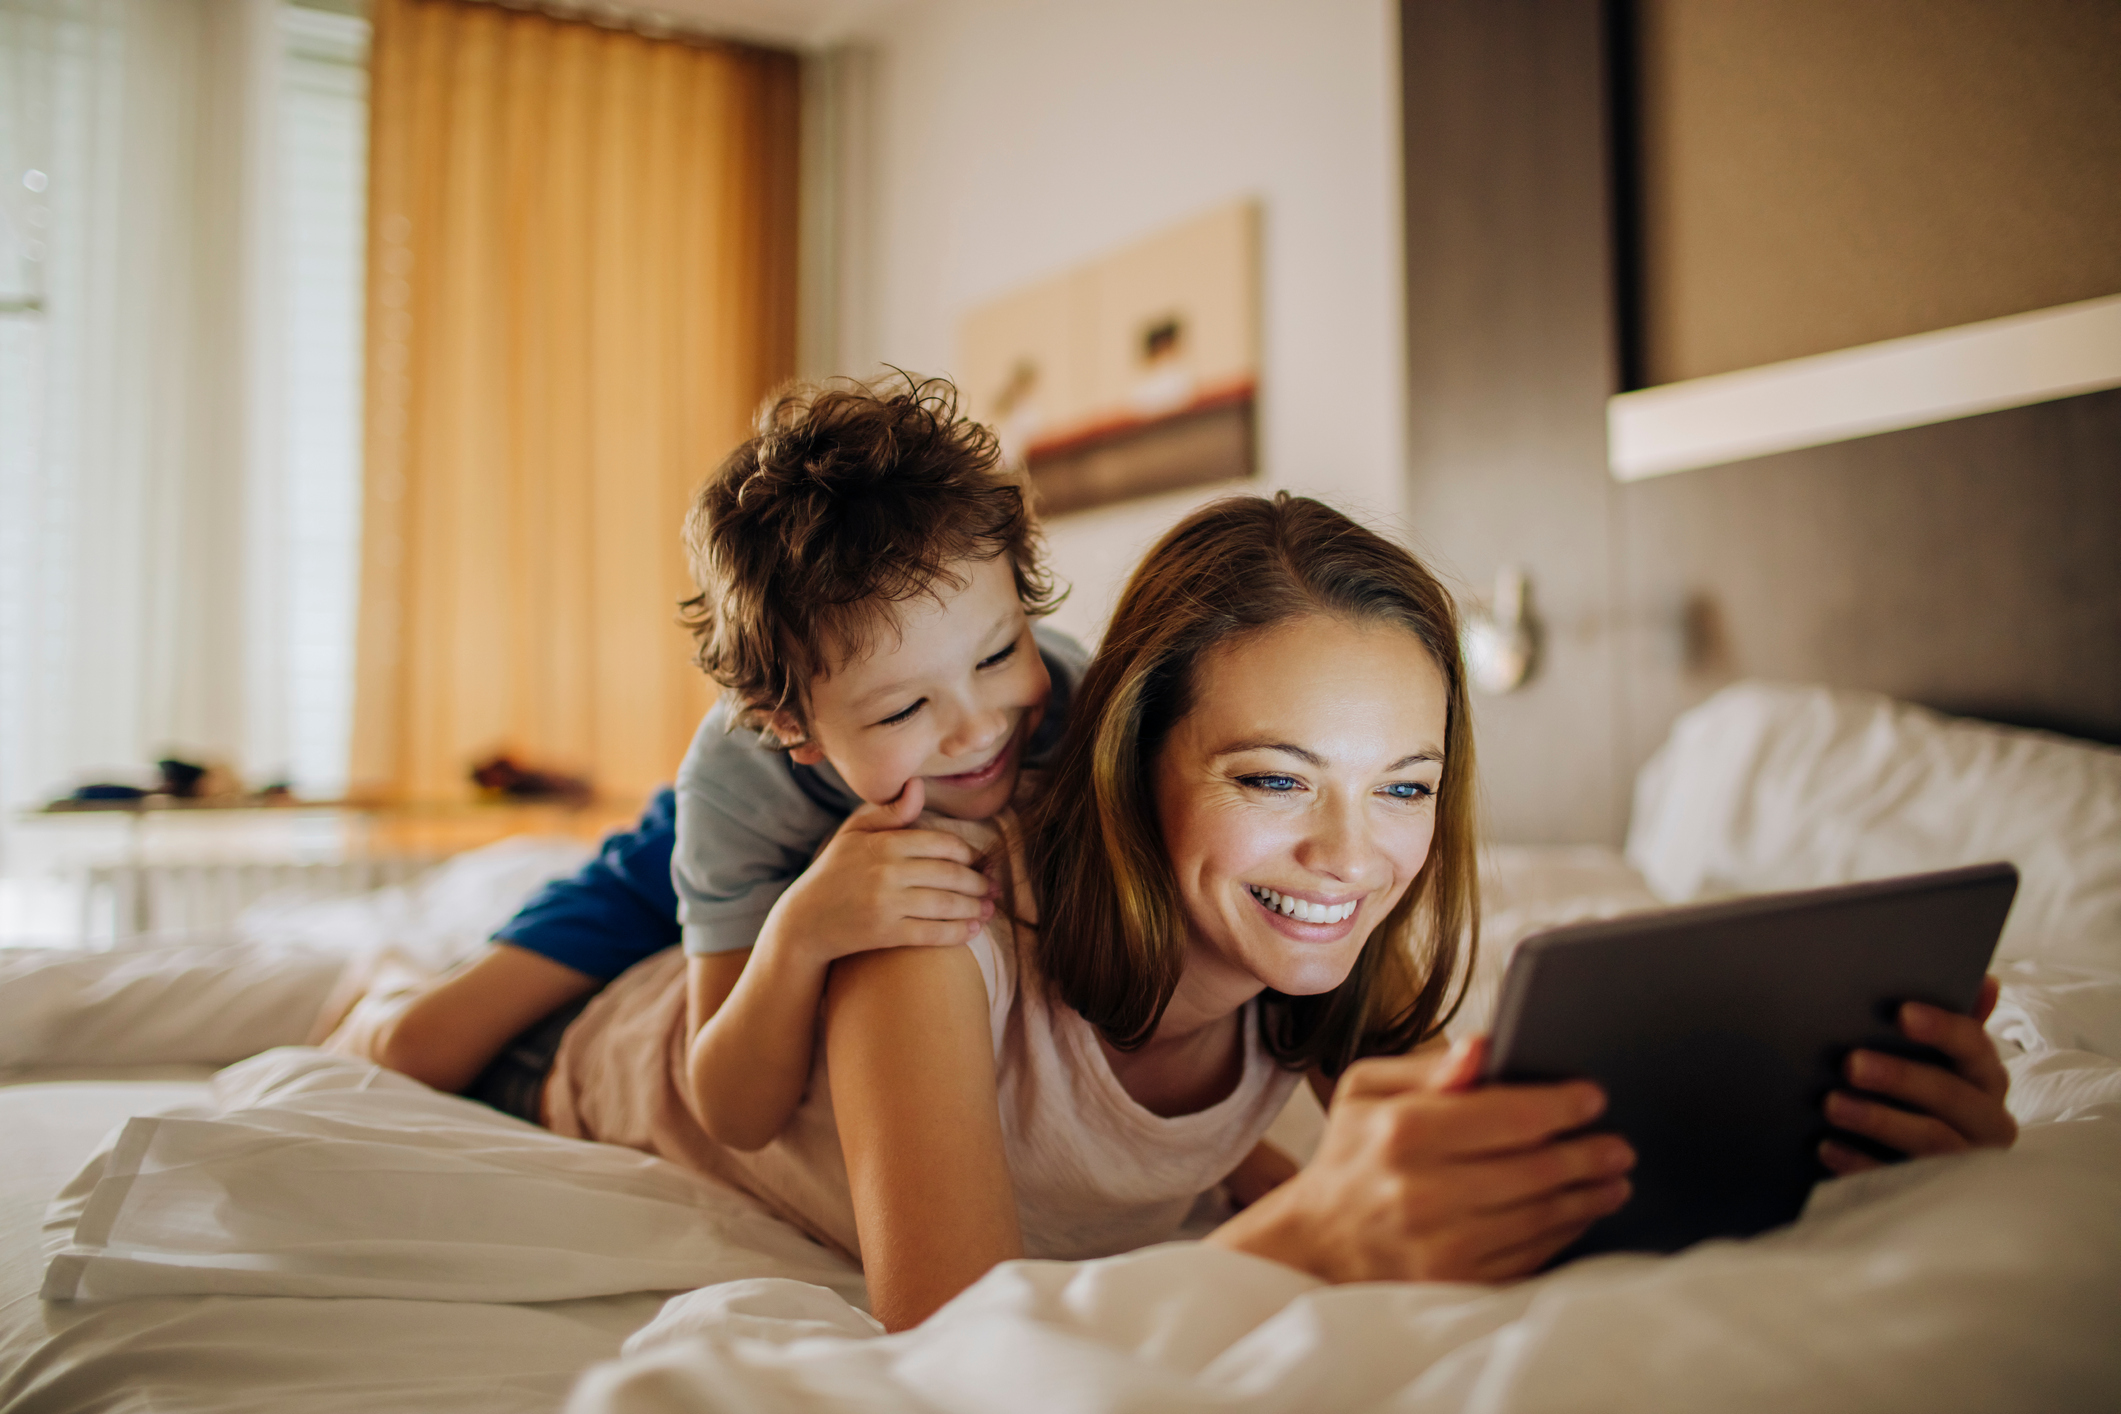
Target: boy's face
951,697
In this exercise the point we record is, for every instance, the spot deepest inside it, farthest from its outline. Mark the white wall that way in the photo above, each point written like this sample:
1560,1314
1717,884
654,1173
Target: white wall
1013,138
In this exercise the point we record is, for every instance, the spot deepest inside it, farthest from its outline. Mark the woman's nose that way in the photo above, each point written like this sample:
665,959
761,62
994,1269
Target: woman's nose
1338,845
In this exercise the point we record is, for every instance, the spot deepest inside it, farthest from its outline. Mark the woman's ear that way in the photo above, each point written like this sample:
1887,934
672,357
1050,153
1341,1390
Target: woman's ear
801,749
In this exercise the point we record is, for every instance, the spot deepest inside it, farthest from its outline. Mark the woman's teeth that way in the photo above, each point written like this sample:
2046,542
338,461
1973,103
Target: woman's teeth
1300,910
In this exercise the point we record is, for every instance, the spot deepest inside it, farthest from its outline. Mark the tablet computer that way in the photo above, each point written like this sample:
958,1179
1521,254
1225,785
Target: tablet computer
1718,1030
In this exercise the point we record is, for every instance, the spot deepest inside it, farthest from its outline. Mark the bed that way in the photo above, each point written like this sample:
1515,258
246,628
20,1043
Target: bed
197,1213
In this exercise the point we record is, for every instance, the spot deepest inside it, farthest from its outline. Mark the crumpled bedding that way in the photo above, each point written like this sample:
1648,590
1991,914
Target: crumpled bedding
1980,1282
315,1175
1971,1284
1962,1283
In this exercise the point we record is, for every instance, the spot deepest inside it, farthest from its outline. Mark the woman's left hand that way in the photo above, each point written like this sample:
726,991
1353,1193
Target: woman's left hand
1936,1110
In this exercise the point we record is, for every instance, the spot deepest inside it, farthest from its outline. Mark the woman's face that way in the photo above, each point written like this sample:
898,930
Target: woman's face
1298,799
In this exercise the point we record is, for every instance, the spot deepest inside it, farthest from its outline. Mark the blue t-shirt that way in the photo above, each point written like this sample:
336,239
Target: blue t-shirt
751,818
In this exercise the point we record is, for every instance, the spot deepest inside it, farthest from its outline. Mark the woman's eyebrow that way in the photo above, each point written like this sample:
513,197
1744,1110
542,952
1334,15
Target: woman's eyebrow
1238,748
1312,758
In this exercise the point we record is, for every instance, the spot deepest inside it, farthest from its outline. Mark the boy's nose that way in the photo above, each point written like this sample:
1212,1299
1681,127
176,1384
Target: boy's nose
978,732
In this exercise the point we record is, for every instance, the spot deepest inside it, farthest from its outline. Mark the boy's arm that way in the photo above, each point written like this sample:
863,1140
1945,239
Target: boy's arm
751,1016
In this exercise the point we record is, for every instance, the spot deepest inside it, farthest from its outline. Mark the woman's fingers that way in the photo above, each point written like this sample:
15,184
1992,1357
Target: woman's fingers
1916,1135
1969,1045
1972,1109
1519,1240
1498,1119
1843,1160
1380,1077
1504,1183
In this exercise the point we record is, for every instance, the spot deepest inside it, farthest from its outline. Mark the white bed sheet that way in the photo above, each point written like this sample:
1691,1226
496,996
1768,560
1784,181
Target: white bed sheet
248,1353
1991,1281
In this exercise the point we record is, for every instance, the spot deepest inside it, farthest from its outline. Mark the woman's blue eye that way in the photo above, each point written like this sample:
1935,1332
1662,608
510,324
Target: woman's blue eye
896,717
1001,657
1280,785
1409,790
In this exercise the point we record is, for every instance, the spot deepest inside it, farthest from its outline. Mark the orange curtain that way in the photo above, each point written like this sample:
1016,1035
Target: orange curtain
581,282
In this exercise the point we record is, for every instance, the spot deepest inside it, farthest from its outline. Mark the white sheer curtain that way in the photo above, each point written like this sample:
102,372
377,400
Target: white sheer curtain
165,460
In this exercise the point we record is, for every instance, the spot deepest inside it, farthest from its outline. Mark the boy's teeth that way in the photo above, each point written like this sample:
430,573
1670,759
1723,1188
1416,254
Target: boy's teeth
1301,910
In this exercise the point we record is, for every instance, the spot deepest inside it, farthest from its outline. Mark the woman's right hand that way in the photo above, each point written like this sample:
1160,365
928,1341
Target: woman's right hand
1421,1178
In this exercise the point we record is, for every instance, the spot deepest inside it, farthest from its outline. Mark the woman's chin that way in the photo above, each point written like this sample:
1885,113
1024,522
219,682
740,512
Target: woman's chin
1323,969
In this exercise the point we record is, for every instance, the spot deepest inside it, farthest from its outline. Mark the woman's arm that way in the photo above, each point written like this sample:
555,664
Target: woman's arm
913,1089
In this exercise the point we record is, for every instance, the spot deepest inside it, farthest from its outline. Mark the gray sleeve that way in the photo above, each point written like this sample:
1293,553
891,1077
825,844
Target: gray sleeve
745,828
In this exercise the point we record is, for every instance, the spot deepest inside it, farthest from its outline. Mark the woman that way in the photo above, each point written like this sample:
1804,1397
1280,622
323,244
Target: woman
1254,858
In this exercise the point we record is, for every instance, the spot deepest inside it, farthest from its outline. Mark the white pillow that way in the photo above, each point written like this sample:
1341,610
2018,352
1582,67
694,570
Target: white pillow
188,1003
438,920
1767,786
215,1000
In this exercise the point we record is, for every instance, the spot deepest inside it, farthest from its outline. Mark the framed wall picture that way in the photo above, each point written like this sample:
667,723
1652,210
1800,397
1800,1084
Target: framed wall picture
1132,374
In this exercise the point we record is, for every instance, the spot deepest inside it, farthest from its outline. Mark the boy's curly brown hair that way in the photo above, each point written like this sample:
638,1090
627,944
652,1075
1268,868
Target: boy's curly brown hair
852,498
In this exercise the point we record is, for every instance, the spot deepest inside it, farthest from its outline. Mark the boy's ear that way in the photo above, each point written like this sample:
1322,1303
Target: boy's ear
802,751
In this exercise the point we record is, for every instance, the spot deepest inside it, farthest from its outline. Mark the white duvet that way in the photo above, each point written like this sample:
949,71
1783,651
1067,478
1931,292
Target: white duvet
1971,1283
1982,1282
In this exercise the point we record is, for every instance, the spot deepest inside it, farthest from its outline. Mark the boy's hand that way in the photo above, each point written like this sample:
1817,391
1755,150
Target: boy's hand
1936,1110
878,883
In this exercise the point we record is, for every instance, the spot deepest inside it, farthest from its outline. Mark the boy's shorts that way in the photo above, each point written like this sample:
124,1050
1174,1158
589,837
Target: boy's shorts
514,1083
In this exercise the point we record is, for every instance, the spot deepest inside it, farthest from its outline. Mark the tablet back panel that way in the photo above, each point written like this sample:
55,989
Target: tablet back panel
1717,1032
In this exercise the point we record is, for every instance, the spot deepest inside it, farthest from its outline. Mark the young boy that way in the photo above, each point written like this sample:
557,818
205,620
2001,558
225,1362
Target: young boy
868,579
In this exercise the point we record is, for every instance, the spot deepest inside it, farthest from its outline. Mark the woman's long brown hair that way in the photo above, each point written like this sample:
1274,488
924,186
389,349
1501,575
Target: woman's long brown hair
1112,933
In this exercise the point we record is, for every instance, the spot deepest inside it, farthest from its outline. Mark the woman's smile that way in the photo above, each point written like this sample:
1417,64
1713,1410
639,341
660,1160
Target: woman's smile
1307,916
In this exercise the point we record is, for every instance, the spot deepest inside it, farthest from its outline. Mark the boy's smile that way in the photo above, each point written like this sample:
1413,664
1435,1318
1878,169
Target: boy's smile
948,688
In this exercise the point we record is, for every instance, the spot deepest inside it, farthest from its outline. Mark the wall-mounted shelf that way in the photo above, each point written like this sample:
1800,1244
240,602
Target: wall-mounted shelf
1882,387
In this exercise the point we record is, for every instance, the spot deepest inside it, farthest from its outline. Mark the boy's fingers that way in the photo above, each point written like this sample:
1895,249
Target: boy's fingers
945,904
929,844
930,933
892,814
940,874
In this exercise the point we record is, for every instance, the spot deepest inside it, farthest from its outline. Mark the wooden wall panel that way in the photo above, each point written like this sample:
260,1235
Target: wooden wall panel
1819,174
1972,565
1510,360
